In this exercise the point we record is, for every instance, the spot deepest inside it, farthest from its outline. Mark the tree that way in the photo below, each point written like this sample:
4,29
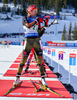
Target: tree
40,8
9,1
48,4
38,5
31,2
15,3
74,32
5,1
69,35
24,7
64,33
56,7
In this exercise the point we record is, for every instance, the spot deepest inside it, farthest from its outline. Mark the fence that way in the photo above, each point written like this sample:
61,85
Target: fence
65,57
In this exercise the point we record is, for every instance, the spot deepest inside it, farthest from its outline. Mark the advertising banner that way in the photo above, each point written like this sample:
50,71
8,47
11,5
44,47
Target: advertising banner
44,43
72,59
53,52
49,51
60,55
50,43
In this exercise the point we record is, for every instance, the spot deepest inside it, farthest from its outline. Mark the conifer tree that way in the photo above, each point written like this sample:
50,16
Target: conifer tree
38,5
70,31
49,4
41,1
64,33
74,32
9,1
24,7
15,3
56,8
5,1
4,7
31,2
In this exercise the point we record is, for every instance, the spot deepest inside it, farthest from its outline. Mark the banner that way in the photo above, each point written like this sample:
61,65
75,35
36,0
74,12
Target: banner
75,44
60,55
49,51
72,59
15,43
70,44
44,43
45,50
53,52
50,43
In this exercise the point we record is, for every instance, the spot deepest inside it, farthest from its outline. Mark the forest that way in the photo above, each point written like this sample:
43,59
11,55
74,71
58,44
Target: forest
54,5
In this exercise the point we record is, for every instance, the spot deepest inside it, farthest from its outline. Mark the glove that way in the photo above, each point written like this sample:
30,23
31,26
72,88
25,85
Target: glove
37,19
46,22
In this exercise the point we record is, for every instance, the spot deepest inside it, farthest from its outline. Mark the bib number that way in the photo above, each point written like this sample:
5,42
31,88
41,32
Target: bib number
35,27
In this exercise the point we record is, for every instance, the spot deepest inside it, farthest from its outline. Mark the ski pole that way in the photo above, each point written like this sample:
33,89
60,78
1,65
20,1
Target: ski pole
41,86
34,86
37,90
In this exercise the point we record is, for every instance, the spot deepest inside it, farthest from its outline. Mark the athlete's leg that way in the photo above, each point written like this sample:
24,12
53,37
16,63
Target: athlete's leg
39,54
26,51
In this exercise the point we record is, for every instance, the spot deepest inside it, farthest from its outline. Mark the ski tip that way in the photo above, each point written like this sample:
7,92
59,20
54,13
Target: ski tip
5,94
62,96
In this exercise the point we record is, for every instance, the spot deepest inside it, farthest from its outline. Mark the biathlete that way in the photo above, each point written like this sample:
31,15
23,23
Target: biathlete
32,40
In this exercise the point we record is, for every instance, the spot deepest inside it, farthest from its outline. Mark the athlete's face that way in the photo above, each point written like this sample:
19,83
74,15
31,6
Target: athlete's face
34,12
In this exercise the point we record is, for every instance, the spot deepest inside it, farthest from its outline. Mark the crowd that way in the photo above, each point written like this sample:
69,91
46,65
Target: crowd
5,42
14,35
10,35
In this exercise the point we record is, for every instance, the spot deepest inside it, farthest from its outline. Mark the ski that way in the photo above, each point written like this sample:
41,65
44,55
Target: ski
14,86
25,70
37,90
49,89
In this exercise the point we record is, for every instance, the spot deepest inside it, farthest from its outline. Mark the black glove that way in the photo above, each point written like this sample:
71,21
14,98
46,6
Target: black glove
37,20
46,22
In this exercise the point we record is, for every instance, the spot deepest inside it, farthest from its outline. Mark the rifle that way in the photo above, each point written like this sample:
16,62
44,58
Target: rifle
47,17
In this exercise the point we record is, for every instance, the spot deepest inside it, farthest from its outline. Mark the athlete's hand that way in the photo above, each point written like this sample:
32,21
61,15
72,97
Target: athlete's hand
37,19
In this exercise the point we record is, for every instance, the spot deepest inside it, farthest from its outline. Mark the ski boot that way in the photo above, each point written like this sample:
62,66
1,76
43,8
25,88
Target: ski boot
44,81
16,81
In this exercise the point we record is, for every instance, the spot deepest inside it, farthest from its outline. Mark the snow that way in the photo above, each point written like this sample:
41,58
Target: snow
11,26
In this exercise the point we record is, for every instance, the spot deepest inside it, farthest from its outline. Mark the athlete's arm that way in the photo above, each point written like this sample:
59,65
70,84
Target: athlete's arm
30,24
27,24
